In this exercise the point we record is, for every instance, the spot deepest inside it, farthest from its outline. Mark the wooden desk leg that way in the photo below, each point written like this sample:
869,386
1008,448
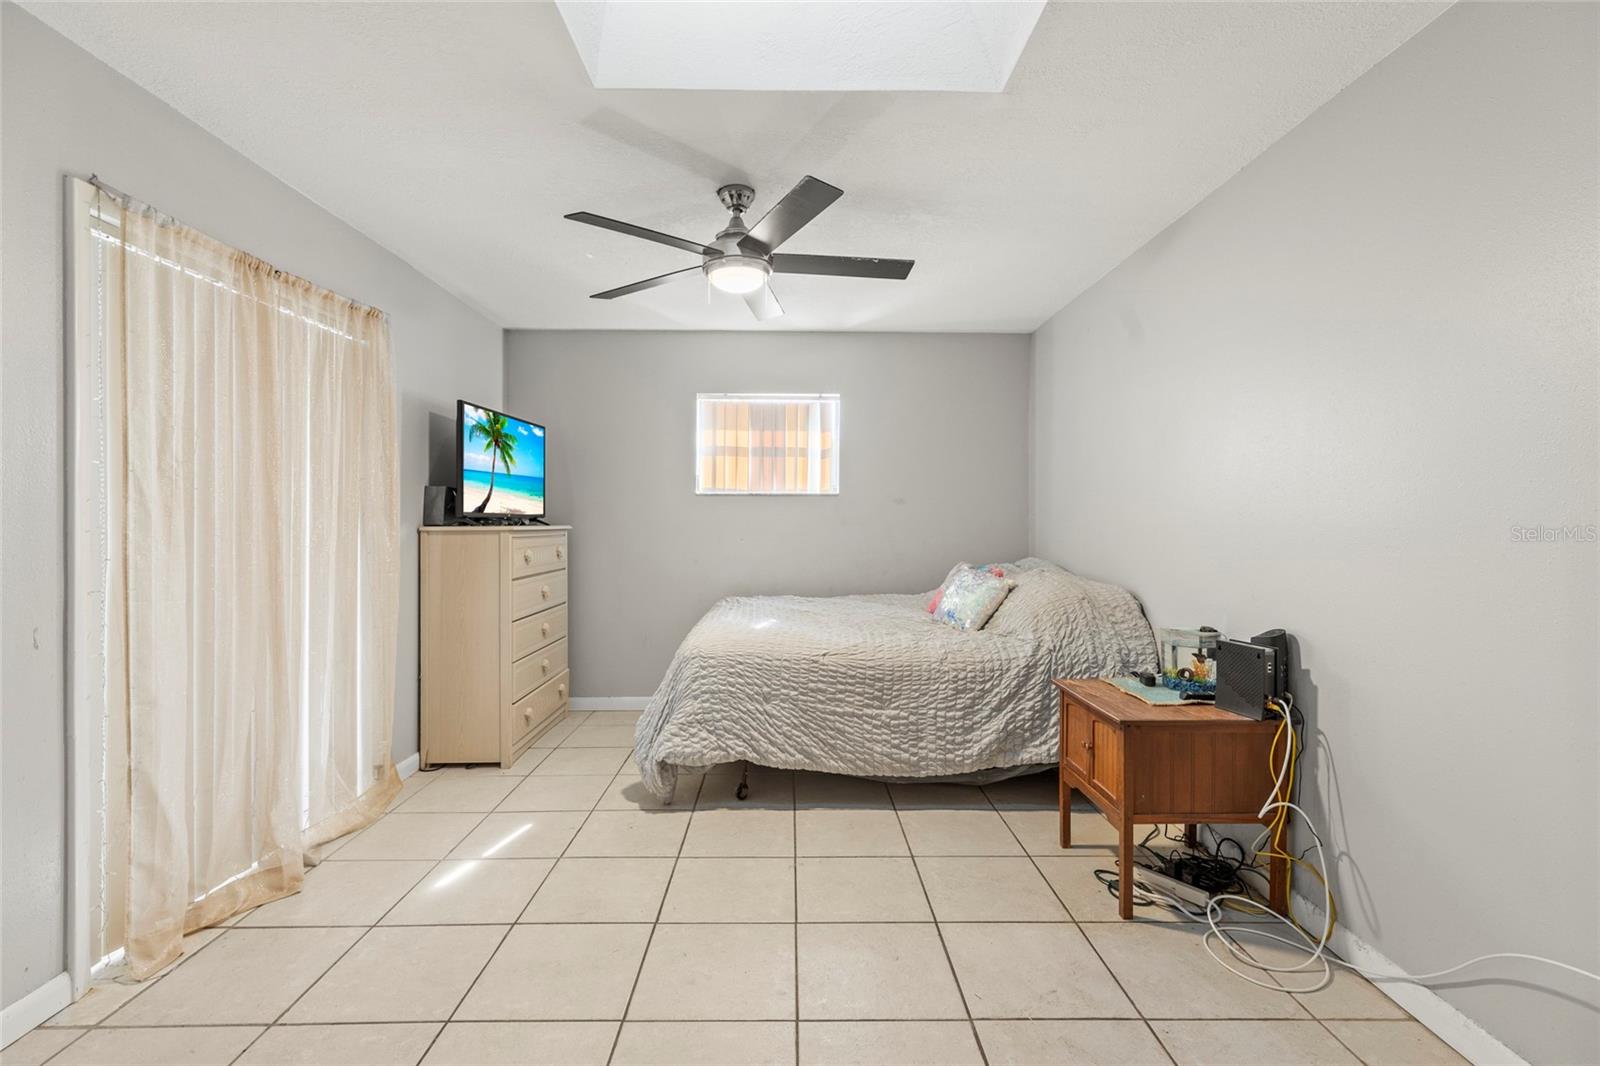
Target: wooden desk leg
1278,885
1191,836
1066,812
1125,871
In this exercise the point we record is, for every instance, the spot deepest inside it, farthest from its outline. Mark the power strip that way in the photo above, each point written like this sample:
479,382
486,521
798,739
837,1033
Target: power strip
1169,886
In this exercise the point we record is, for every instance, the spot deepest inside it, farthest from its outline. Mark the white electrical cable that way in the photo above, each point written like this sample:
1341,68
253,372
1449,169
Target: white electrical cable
1227,933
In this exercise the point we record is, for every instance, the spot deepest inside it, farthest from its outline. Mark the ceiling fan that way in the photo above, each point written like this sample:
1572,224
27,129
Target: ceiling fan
741,260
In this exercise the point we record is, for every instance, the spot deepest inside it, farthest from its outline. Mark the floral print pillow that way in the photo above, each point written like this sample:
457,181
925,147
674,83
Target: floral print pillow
970,596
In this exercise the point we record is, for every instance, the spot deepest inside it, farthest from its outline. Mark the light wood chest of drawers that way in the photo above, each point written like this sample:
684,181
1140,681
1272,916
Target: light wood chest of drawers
494,640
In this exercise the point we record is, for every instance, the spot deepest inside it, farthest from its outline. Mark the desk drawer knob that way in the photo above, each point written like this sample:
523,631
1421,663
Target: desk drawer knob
544,592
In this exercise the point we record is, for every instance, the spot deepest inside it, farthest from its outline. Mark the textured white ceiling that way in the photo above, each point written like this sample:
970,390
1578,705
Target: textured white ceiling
850,45
457,135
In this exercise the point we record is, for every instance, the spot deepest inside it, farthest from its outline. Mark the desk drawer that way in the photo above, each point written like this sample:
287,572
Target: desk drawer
537,708
535,631
538,555
530,594
544,664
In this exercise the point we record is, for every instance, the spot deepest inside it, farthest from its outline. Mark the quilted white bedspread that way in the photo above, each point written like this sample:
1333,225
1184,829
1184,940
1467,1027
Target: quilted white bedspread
875,686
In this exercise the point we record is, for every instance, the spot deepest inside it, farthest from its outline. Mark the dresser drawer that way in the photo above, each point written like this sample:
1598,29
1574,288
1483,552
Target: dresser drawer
544,664
530,594
538,555
537,707
535,631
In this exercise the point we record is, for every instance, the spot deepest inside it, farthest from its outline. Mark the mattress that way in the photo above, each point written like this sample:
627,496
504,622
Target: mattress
874,686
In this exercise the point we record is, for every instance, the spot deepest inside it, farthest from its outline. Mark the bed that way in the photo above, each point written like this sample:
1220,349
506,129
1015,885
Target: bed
874,686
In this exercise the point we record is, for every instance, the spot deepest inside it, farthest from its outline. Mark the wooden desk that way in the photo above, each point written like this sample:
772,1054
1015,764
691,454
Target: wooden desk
1145,765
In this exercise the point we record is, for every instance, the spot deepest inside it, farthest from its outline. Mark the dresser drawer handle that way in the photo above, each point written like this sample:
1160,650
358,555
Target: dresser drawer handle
544,667
561,689
527,713
544,592
560,553
544,629
527,556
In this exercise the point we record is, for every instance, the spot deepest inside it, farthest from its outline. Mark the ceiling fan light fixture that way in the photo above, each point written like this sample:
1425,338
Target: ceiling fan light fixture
740,260
738,275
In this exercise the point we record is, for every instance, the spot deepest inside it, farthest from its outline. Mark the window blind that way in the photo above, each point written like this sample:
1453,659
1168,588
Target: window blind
767,444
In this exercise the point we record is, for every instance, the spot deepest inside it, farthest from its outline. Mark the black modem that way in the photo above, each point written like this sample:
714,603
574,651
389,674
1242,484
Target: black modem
1248,677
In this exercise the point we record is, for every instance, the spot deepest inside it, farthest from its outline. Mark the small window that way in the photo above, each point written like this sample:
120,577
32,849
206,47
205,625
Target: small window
766,444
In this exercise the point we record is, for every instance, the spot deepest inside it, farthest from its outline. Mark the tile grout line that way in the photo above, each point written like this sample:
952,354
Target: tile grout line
697,1021
1073,918
794,785
277,1022
450,1018
222,928
649,939
1323,1022
710,923
50,1057
1309,1015
1306,1014
1273,977
387,910
165,973
938,930
234,926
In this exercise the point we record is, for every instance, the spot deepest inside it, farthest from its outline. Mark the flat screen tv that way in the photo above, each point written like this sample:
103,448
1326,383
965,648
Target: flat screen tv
499,463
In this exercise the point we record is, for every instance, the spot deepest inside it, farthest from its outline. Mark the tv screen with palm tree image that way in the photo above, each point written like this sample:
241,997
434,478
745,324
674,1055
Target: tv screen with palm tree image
501,463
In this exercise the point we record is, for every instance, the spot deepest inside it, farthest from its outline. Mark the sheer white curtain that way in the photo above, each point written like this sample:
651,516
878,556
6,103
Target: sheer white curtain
253,505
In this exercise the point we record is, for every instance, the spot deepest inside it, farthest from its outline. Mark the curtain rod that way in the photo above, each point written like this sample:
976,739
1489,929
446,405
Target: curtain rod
133,203
97,182
139,207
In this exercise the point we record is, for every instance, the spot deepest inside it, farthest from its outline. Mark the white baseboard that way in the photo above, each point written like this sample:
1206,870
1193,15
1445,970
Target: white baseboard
609,703
40,1005
408,766
1471,1040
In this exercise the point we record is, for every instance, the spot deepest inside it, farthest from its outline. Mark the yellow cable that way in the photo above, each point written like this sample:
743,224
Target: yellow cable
1278,825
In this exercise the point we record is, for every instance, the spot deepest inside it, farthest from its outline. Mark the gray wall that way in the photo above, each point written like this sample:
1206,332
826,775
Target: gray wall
933,431
65,113
1386,328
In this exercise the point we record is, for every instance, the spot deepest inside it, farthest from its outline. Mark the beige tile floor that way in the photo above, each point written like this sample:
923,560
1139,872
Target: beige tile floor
556,913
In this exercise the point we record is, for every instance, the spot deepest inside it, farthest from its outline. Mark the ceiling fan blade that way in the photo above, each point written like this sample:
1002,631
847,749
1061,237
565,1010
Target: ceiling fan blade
763,303
590,219
843,266
803,203
647,283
